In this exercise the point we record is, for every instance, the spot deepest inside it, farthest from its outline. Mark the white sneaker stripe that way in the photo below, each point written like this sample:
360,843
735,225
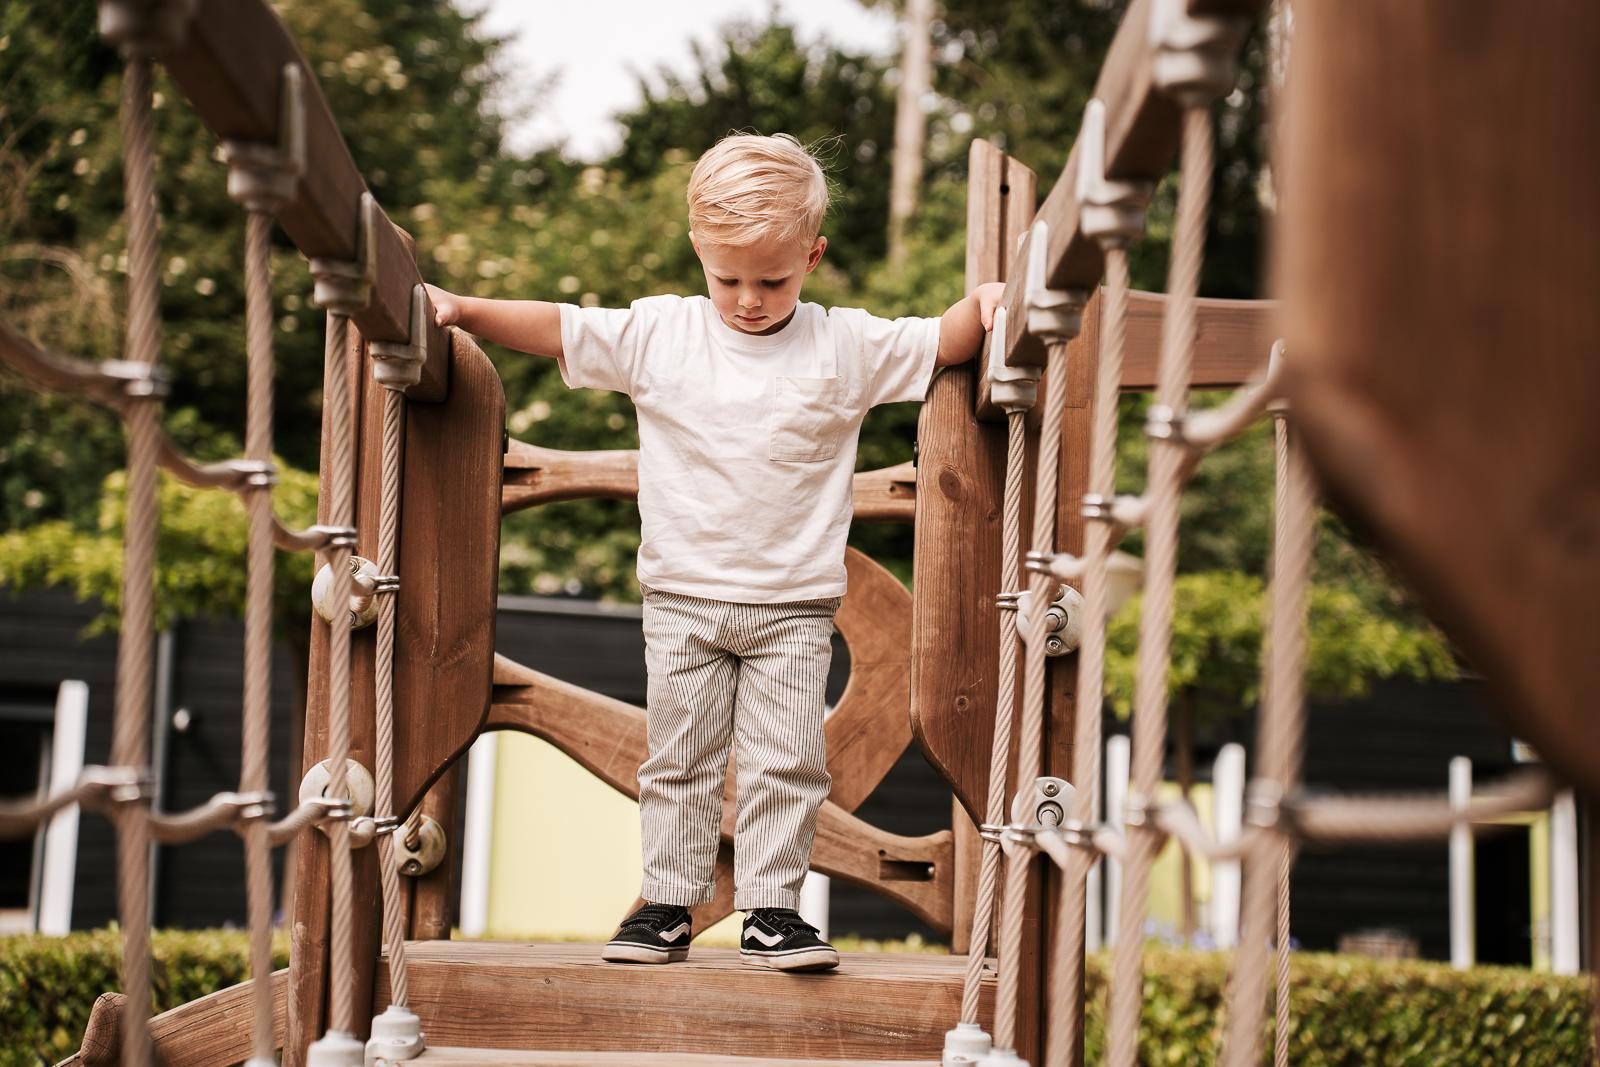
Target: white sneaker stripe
674,933
765,938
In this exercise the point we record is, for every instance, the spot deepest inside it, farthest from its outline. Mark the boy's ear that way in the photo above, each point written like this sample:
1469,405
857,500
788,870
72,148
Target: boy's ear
817,248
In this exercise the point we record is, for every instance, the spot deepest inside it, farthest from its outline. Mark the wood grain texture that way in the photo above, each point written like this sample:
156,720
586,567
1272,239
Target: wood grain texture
469,1057
211,1031
1439,262
430,915
960,486
558,997
449,569
535,475
230,66
1232,340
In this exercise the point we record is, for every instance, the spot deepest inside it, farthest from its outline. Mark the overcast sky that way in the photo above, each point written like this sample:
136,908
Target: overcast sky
594,45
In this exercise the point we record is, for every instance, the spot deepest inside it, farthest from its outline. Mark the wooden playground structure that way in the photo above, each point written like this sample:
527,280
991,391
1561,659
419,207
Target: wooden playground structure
1389,384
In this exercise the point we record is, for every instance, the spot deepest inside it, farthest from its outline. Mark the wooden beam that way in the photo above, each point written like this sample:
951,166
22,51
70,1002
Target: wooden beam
1141,142
1232,340
230,67
536,475
483,1057
215,1030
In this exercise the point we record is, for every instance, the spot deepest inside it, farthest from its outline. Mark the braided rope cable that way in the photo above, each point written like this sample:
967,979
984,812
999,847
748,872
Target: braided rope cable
131,726
1279,742
1005,701
258,621
1066,992
341,479
1031,739
1280,1031
1155,623
394,919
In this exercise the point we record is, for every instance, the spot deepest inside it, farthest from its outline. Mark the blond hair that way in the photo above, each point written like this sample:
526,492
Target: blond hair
749,188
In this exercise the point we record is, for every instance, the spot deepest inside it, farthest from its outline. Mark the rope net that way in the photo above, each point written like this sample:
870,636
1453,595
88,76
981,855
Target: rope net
262,179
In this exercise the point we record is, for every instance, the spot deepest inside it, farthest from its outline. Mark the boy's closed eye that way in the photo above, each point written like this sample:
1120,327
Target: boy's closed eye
768,283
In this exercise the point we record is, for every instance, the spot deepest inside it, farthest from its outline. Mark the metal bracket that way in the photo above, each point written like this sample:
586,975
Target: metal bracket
1007,601
1063,622
344,286
139,380
1013,389
254,473
1263,804
397,365
1196,58
337,536
358,787
262,176
1110,212
1097,507
429,852
1054,315
363,607
1043,802
143,27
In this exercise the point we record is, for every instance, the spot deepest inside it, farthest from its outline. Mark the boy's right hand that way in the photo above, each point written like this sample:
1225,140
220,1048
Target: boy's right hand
446,306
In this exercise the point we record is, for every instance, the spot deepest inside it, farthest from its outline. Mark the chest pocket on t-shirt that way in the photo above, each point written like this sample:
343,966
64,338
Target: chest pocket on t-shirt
810,417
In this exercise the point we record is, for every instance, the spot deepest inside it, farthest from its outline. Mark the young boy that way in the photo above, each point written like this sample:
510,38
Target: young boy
749,405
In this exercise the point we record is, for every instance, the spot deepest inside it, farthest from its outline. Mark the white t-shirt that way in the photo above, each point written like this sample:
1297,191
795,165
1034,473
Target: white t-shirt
747,443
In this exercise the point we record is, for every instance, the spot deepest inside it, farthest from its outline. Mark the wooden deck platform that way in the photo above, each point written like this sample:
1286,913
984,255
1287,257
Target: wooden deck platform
478,996
468,1057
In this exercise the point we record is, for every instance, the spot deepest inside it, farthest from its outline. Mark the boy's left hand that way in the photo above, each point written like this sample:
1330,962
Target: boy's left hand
988,296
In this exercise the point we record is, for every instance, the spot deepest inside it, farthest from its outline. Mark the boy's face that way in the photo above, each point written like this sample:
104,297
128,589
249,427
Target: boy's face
755,287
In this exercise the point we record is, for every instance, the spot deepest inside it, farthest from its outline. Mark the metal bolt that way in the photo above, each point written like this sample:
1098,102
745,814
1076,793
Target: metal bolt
1051,789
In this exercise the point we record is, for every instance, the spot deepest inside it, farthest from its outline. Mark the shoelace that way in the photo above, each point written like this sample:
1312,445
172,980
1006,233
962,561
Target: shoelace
653,915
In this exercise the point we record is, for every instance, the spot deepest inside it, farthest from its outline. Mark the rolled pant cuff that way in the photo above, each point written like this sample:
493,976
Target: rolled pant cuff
682,896
749,900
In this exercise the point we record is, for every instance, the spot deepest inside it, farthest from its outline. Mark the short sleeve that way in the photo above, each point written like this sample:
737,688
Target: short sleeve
898,355
604,348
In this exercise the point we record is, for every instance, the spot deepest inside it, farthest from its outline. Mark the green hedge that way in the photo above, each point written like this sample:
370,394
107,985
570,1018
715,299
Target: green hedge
48,984
1345,1010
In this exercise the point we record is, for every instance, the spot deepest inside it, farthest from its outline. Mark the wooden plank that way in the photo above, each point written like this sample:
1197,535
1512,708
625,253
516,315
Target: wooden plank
557,997
1232,340
449,568
1142,127
535,475
474,1057
230,66
1443,372
960,480
431,895
215,1030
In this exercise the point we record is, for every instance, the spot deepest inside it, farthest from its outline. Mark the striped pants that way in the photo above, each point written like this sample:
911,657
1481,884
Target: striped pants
750,677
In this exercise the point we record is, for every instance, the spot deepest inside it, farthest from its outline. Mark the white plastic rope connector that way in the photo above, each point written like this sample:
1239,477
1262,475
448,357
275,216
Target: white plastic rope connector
397,365
1002,1057
1110,212
358,786
362,603
1054,315
396,1036
967,1044
261,176
1277,406
427,854
1063,620
344,286
336,1048
1012,389
1196,56
146,27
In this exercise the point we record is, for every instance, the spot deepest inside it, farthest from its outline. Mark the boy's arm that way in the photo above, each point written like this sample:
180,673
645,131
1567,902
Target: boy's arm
532,326
961,328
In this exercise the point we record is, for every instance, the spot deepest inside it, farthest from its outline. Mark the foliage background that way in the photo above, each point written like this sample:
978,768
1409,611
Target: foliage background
424,96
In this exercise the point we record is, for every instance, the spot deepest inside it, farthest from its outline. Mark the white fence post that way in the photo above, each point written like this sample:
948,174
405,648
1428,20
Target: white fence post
477,843
1564,884
1462,947
1118,750
58,868
1227,805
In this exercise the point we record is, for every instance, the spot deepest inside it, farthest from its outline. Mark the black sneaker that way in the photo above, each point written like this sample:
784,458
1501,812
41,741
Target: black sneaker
656,933
780,939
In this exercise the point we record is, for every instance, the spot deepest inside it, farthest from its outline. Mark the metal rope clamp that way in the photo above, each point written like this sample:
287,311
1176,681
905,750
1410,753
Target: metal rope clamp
414,861
344,286
253,473
1055,316
397,365
1196,56
144,27
138,380
363,607
1278,406
261,176
1013,389
359,791
1110,212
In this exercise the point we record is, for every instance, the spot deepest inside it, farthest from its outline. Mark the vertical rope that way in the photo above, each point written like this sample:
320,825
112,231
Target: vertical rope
258,621
1280,740
130,728
1065,1036
1033,681
394,919
1155,623
1005,700
336,389
1280,1032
